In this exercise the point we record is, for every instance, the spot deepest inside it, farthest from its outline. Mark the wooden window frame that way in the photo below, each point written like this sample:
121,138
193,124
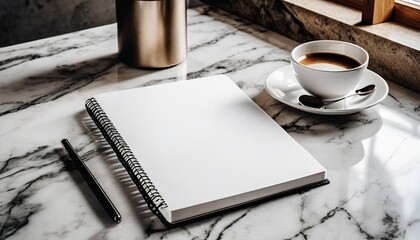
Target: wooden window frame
407,13
378,11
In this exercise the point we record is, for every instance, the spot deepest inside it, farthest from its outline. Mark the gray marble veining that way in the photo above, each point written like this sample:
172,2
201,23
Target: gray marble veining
372,157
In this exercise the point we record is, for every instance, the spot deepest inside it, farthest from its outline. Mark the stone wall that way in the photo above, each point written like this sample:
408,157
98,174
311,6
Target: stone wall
393,61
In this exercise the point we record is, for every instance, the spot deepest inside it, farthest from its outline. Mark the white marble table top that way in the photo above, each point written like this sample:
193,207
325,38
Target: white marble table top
372,157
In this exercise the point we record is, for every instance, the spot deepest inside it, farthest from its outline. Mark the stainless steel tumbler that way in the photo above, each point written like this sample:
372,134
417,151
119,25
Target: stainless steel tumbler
152,34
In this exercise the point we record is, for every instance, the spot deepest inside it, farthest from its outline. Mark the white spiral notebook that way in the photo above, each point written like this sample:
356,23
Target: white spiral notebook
200,146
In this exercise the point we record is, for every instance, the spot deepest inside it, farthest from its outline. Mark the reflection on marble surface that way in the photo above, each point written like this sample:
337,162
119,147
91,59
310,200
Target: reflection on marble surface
372,157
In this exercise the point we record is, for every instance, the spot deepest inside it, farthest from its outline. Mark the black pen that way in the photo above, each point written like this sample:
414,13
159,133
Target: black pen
92,182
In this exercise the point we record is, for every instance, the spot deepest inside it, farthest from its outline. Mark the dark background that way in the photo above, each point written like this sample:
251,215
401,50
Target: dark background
28,20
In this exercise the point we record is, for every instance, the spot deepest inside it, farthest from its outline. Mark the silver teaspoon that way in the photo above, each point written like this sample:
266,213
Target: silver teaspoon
316,102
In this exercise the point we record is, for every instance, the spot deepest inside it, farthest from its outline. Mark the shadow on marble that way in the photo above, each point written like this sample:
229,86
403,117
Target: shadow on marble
62,80
50,85
138,205
336,141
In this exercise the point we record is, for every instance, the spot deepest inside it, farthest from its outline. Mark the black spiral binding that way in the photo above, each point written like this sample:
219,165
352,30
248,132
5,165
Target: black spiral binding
150,194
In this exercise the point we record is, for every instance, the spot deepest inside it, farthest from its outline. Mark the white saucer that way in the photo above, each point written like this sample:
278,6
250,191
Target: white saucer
282,85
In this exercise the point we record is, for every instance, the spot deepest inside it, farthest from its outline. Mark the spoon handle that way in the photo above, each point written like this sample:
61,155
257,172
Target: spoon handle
339,99
316,102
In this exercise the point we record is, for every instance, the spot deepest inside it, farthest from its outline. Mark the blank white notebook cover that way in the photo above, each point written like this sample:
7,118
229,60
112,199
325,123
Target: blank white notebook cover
206,146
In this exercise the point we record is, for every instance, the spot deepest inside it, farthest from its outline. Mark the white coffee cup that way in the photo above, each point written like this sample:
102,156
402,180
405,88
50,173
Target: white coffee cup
329,69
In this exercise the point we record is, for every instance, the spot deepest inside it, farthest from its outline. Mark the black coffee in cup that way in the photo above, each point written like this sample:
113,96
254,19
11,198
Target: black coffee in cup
328,69
328,61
